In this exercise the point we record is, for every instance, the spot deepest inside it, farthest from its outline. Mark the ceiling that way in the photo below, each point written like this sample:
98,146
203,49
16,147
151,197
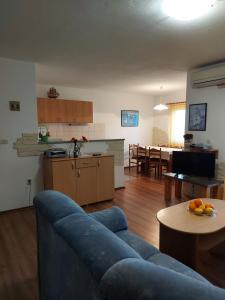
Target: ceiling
128,45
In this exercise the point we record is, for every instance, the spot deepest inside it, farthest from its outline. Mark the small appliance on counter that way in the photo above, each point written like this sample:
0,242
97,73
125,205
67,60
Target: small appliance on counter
96,154
56,152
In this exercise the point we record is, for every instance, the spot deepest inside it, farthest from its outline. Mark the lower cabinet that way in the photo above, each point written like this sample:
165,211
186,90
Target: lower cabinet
63,178
86,180
105,178
86,185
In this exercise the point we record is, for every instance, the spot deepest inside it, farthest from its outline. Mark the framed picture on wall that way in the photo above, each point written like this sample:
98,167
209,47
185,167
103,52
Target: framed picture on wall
197,117
129,118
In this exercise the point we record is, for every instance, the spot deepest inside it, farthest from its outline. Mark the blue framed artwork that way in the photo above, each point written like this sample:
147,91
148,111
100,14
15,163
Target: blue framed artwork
197,117
129,118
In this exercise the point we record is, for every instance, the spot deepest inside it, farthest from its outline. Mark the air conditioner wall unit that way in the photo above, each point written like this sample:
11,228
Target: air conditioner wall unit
209,76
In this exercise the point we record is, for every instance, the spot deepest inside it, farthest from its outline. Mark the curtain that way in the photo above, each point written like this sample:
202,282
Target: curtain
177,124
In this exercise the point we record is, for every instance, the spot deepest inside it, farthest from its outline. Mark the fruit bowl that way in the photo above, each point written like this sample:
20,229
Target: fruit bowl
199,208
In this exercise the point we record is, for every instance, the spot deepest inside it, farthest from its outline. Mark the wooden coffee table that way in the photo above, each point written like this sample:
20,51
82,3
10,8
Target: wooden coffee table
184,235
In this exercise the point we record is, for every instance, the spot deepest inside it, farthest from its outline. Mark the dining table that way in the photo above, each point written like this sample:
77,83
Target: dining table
166,153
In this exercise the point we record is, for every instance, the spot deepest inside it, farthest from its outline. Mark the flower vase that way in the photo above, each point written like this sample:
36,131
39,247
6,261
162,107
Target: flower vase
187,144
76,150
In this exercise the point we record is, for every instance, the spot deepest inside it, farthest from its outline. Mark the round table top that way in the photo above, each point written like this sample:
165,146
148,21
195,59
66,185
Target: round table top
177,217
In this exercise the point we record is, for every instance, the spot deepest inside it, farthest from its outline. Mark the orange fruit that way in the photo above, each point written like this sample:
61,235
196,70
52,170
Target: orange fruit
209,205
198,202
192,206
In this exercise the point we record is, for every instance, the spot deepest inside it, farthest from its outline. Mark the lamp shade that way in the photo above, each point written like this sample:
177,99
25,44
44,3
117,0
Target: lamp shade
185,10
160,107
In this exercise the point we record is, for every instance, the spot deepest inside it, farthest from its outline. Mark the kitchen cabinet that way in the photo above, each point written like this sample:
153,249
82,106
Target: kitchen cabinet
85,179
86,185
60,176
105,178
64,111
48,111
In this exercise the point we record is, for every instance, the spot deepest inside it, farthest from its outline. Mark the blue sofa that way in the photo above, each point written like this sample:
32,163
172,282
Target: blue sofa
95,256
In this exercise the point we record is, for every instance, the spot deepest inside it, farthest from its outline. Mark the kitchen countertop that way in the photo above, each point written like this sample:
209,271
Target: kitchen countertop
79,157
66,142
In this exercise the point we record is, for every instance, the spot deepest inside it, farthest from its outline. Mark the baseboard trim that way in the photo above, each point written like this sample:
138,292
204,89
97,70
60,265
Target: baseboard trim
16,209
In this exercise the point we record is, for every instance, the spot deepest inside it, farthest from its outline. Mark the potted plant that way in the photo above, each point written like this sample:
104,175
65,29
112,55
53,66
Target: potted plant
188,136
44,134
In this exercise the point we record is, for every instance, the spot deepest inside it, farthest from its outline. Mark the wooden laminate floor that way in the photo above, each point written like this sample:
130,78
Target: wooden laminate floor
141,199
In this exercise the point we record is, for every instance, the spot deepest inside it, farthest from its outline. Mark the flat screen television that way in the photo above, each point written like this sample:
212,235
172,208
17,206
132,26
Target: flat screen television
200,164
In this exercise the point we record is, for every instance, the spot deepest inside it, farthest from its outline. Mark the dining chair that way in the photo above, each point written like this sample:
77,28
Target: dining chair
156,162
153,161
163,166
133,155
137,157
142,160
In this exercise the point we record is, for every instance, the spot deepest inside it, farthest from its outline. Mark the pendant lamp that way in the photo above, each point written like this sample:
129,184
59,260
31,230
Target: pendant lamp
160,106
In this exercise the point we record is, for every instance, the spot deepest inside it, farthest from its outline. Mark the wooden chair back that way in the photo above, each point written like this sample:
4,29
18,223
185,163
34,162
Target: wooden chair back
154,154
133,151
142,152
137,156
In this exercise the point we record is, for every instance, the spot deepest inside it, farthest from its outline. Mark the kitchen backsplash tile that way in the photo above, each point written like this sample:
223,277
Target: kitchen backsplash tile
92,131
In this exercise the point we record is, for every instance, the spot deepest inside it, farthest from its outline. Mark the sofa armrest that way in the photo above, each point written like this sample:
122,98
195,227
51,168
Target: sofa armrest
136,279
113,218
55,205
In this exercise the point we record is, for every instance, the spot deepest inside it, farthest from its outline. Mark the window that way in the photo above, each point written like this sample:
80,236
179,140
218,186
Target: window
177,124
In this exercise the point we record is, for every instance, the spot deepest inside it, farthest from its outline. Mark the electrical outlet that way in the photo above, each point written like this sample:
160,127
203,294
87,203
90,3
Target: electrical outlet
3,141
14,105
28,181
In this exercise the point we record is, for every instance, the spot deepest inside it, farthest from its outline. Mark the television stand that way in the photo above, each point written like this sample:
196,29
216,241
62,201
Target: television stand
211,186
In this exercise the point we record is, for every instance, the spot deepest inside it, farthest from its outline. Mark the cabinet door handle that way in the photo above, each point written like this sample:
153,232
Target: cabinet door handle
72,165
78,173
99,162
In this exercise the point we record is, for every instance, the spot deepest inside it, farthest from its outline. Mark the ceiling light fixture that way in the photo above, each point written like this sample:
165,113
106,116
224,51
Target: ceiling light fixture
160,106
186,10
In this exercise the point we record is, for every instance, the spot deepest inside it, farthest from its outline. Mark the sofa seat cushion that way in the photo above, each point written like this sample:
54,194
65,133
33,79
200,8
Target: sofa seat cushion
144,249
166,261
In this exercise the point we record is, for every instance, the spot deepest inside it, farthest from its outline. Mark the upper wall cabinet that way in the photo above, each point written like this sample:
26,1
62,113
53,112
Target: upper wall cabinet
64,111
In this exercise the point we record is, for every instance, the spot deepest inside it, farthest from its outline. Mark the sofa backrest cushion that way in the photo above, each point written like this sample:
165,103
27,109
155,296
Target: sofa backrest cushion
55,205
96,245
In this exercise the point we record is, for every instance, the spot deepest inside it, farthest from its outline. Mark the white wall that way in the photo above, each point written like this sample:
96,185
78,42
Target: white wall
161,119
107,109
17,82
215,124
177,96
